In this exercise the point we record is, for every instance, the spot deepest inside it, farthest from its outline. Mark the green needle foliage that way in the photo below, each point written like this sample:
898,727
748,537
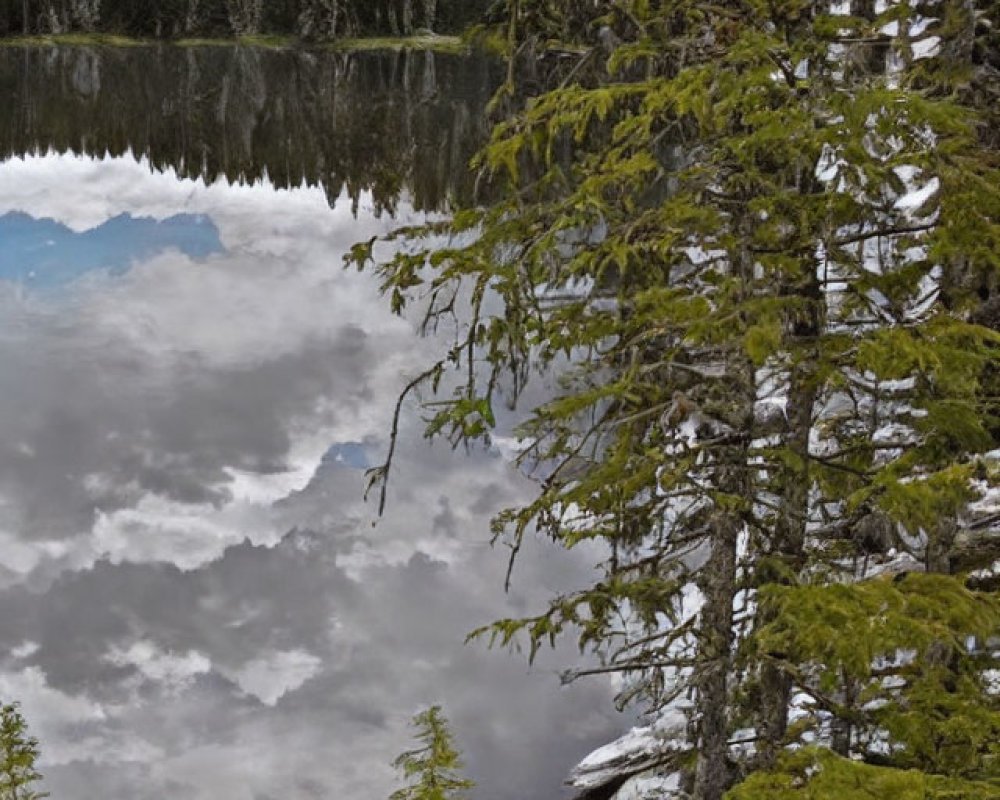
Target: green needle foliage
433,770
814,774
758,244
18,754
903,662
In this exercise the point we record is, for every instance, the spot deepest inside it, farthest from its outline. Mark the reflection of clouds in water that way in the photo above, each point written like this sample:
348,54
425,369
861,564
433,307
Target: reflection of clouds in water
186,548
147,401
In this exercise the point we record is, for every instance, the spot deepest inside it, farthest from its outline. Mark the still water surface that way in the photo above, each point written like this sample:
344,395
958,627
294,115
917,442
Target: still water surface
193,600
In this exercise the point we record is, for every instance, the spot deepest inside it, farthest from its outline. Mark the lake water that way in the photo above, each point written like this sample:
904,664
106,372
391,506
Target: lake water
194,600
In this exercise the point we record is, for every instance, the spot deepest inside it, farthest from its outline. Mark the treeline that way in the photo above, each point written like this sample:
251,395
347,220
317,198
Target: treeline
385,123
307,19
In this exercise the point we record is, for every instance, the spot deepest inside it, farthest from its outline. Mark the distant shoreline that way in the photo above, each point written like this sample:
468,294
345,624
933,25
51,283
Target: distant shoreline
432,42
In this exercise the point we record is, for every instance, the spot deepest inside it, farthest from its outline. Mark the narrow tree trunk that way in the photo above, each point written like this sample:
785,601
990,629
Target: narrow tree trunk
718,584
406,16
841,728
334,26
788,546
191,18
940,543
719,587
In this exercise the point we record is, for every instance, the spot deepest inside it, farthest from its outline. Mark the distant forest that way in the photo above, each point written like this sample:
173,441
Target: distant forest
308,19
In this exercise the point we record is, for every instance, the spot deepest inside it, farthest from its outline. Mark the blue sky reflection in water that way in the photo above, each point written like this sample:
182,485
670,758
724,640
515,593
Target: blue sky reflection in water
195,601
46,253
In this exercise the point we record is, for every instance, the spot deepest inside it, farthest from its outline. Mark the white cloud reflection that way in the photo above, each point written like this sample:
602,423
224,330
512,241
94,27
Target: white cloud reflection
209,609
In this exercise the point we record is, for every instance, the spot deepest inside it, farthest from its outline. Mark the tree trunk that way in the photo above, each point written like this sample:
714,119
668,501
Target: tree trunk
841,728
334,26
191,18
719,588
406,16
718,585
788,546
940,543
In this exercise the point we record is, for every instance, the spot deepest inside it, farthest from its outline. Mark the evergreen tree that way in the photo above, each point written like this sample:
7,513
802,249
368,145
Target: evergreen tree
753,239
432,769
18,754
310,19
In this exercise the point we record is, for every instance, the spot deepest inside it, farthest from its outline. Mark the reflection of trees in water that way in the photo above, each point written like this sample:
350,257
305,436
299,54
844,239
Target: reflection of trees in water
384,122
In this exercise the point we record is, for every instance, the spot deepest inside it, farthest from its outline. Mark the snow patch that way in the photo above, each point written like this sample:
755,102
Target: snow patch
650,786
637,751
916,198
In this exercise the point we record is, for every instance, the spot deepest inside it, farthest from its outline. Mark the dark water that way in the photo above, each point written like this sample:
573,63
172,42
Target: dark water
195,601
384,123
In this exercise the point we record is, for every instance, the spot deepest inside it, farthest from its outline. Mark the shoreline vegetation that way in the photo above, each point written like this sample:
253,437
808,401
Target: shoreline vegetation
418,41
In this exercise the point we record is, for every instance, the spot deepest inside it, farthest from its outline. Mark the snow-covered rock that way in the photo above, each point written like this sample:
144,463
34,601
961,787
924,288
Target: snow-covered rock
633,757
651,786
